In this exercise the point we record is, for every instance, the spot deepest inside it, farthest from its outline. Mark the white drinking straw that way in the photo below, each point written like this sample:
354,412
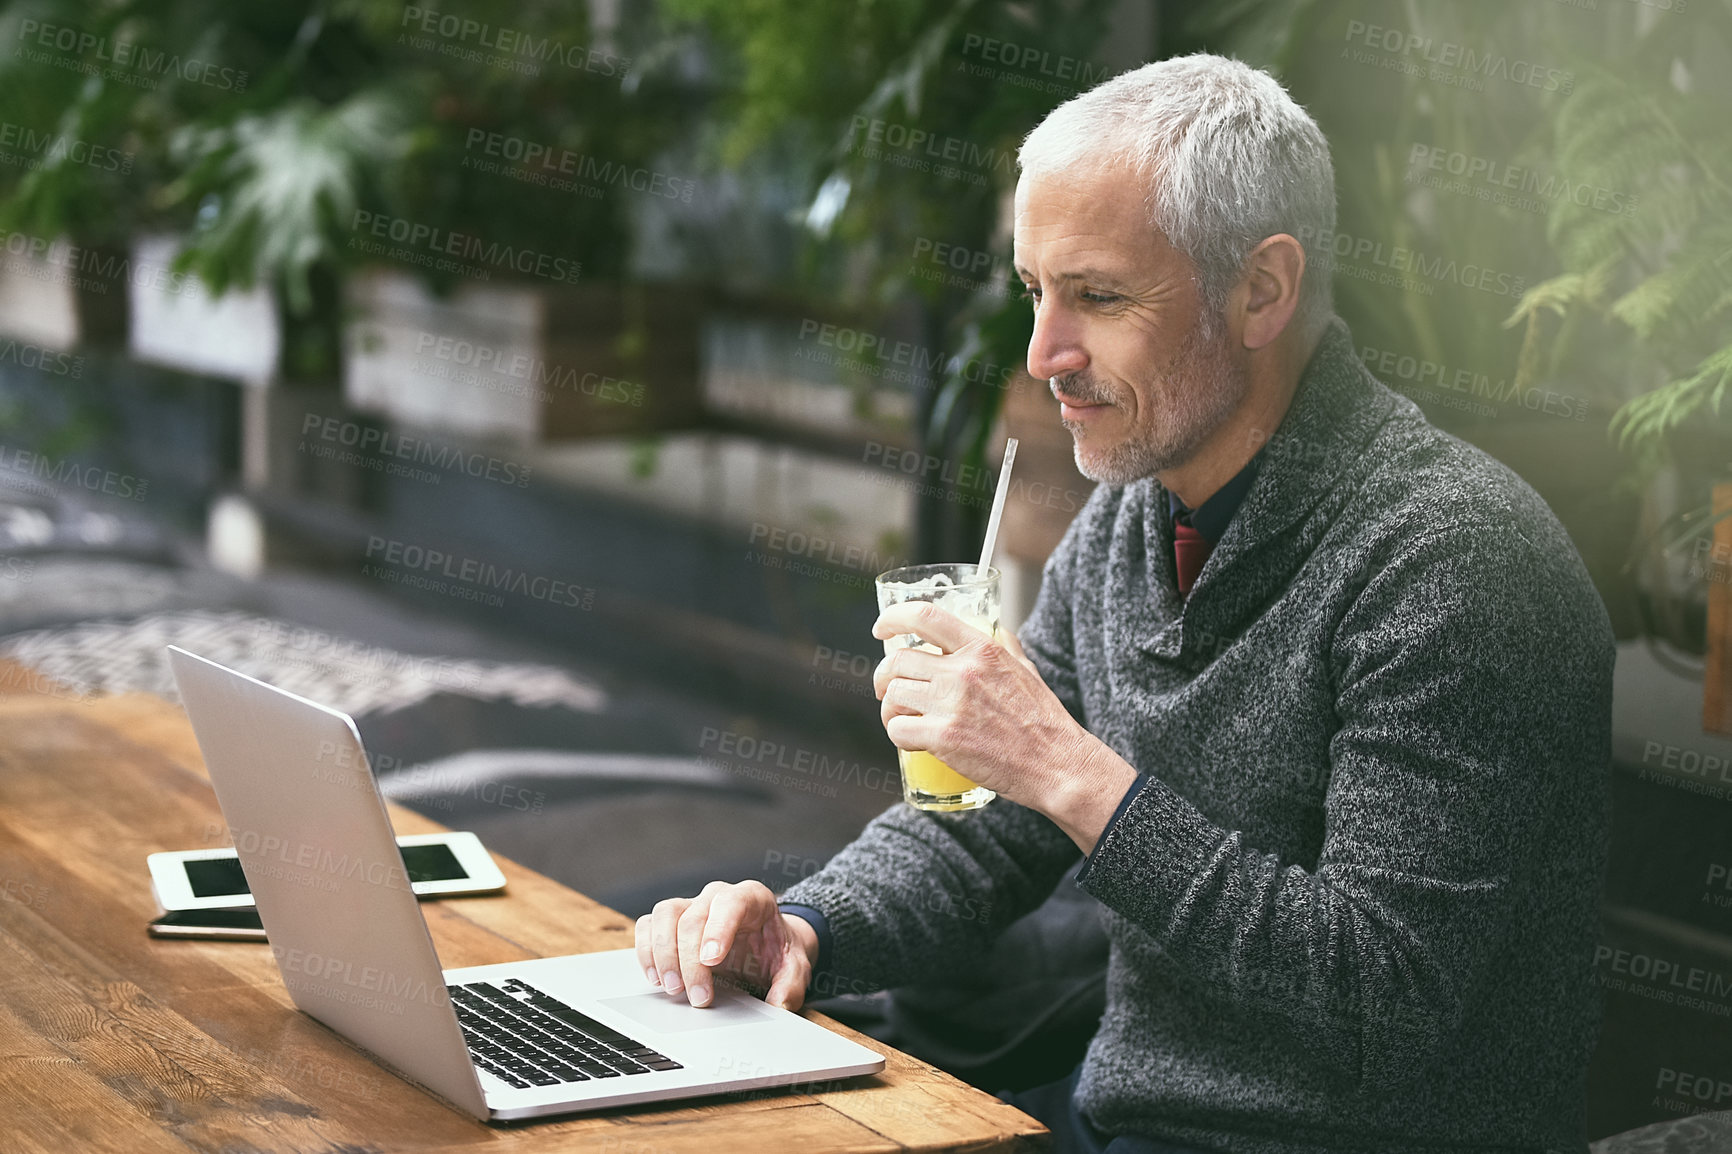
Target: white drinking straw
998,504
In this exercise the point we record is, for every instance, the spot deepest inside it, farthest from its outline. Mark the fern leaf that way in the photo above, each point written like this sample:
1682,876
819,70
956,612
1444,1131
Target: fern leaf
1642,424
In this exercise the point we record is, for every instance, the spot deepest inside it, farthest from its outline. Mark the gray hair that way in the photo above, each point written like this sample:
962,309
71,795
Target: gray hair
1227,156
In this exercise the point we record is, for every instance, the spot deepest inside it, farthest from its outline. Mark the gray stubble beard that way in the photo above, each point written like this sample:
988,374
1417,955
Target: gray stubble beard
1202,386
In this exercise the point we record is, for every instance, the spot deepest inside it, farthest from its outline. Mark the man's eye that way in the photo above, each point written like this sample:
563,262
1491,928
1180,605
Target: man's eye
1098,298
1030,294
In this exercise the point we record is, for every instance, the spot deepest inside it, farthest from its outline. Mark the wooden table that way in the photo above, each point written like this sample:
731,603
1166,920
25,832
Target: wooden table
111,1040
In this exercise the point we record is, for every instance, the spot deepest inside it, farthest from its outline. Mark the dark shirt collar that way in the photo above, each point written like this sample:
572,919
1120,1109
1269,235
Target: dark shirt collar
1212,517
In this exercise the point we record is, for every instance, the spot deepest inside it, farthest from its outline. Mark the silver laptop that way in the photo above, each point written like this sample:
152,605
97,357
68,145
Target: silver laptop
507,1041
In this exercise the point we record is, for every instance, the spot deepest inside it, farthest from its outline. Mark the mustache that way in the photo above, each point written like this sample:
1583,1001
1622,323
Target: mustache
1082,388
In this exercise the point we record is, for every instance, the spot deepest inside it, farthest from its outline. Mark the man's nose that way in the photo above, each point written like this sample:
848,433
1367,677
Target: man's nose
1055,348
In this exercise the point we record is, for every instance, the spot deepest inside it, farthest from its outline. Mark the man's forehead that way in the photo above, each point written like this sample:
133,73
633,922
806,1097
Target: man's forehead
1094,221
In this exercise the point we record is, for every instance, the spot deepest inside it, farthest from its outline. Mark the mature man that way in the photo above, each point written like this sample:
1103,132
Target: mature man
1322,693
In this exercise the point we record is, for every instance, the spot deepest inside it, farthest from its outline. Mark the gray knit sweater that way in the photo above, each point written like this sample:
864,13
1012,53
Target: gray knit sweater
1352,900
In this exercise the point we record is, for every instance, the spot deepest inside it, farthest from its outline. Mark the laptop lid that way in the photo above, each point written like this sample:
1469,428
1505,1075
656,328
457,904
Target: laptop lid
321,858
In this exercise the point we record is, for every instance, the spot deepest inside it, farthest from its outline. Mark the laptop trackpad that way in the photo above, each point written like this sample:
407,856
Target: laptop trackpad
669,1015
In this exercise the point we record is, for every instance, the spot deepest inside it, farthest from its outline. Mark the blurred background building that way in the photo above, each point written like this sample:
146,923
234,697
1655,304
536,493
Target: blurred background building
546,383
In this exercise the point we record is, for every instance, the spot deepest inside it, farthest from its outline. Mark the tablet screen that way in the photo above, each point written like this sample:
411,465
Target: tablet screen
431,863
215,877
221,877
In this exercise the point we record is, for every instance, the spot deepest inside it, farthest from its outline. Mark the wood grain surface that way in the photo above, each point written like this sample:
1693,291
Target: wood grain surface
111,1040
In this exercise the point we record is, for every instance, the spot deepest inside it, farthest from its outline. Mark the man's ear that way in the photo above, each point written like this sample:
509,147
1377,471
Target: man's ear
1269,288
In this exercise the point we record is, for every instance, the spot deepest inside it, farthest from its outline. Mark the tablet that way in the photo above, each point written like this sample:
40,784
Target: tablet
438,865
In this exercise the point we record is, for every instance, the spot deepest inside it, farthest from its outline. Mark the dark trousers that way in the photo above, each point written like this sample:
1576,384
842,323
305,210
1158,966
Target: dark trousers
1054,1106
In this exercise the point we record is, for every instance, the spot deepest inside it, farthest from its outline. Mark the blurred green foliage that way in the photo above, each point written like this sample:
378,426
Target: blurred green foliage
1569,165
1630,277
1621,301
320,108
1603,184
847,80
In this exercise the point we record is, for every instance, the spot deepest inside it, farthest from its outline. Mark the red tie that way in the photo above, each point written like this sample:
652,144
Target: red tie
1190,550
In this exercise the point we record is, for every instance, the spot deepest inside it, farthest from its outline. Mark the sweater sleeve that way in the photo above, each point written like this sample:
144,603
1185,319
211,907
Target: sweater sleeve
1472,680
919,895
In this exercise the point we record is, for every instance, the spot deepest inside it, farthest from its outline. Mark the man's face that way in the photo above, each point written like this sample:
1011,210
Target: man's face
1143,373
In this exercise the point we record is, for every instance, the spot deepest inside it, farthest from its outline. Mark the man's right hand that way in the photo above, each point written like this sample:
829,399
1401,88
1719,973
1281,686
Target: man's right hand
732,929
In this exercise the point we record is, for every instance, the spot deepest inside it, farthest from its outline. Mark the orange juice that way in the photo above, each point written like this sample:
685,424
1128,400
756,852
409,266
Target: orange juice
928,783
924,778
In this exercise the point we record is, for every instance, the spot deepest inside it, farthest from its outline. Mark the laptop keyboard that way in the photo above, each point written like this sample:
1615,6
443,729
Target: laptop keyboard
527,1038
